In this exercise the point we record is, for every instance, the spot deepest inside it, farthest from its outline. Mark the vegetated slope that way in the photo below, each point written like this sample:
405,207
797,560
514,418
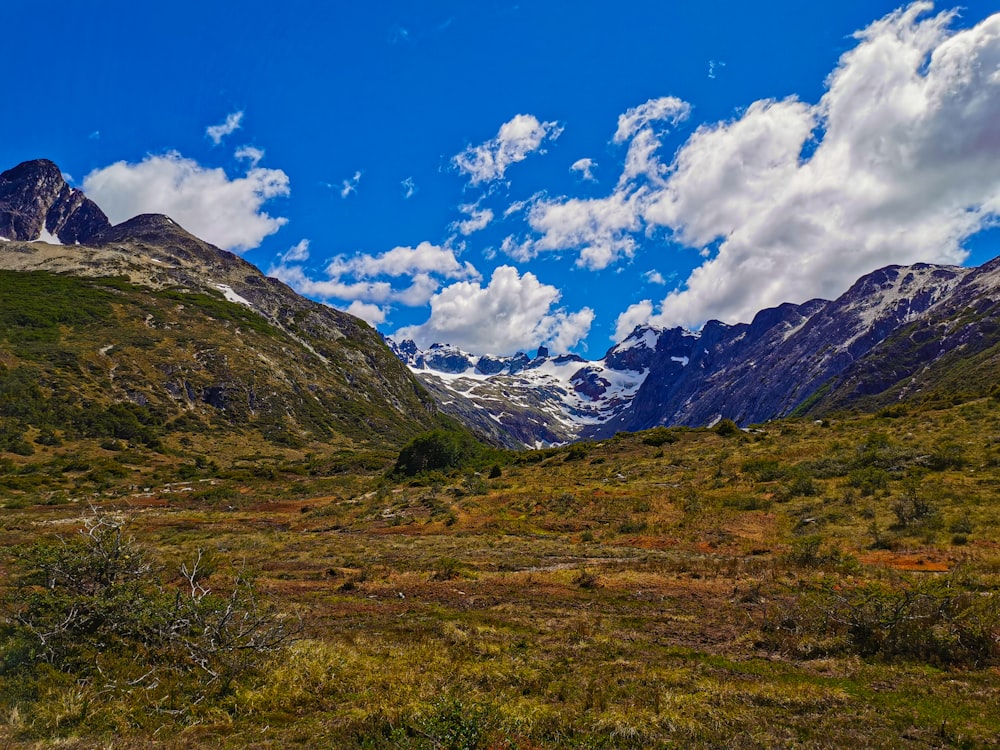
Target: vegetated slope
896,332
147,320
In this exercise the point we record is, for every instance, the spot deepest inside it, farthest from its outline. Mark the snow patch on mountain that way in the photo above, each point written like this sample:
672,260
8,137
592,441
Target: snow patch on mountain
230,295
562,394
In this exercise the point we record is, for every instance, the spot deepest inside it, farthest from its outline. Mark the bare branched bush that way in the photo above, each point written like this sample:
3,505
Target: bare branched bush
96,607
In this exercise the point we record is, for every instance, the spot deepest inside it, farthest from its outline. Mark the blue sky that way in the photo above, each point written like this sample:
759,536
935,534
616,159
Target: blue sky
504,175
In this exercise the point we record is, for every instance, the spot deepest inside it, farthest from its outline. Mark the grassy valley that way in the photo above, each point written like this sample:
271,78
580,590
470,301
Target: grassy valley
803,583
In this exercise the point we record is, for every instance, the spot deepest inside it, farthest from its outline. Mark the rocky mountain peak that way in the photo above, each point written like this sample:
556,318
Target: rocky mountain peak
163,232
36,203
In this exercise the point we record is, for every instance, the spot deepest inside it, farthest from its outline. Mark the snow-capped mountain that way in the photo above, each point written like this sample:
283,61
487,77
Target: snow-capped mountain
520,400
896,332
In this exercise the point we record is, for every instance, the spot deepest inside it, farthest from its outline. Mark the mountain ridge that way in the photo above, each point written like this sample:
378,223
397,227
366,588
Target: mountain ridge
811,357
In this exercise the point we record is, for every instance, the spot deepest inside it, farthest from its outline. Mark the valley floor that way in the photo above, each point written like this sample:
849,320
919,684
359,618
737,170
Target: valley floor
806,584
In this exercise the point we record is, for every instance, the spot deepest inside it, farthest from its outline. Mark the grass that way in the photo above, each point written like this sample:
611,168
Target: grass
670,589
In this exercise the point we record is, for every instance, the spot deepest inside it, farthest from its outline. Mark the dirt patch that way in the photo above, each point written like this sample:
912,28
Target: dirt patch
928,562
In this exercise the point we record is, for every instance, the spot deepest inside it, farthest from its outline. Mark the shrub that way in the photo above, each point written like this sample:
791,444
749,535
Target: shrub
95,609
946,455
962,524
447,569
764,469
727,428
659,436
943,621
436,450
868,480
799,484
933,620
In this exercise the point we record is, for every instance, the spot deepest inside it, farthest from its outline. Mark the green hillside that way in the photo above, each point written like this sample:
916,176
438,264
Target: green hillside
122,378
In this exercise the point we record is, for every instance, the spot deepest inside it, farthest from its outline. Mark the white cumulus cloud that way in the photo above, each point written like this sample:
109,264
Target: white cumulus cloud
512,312
517,138
371,314
601,228
205,201
233,122
402,261
898,162
904,166
638,314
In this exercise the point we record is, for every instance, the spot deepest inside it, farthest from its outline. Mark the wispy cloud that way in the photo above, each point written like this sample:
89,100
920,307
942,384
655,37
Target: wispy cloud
399,35
517,138
409,188
667,109
714,66
479,218
655,277
250,154
405,275
297,253
350,186
233,122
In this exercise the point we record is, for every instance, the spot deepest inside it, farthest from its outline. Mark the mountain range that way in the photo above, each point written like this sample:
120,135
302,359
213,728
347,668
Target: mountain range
922,331
145,317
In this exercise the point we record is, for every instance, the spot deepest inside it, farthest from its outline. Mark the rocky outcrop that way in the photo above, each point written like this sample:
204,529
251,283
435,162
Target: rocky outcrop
36,202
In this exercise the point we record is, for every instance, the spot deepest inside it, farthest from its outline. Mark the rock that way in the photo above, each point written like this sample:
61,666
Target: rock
34,199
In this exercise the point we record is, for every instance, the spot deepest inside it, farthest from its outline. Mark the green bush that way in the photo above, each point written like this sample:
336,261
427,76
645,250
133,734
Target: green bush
946,621
727,428
436,450
764,469
933,620
946,455
868,480
659,436
799,484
